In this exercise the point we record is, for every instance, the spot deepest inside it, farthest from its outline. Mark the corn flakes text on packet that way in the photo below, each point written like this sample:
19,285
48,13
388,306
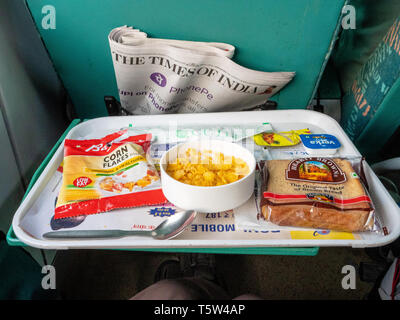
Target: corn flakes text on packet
103,174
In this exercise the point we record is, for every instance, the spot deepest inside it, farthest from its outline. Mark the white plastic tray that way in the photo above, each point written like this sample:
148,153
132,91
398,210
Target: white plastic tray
281,120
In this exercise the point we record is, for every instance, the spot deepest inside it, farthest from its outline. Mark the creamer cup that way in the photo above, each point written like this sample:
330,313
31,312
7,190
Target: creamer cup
320,144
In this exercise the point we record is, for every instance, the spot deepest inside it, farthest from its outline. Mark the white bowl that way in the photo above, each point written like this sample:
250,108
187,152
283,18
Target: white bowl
208,199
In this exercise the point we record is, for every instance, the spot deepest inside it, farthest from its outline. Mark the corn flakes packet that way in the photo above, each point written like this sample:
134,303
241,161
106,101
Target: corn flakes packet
100,175
280,139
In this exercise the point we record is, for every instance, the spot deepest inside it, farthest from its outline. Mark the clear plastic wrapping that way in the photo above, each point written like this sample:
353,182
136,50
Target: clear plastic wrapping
317,192
109,173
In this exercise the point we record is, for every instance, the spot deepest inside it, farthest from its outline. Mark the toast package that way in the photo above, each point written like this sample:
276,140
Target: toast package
100,175
316,192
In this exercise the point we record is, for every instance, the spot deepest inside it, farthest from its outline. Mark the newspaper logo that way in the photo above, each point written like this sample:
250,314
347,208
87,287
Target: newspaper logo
159,79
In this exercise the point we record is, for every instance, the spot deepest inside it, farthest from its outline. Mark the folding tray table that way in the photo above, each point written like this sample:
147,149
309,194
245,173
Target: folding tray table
386,207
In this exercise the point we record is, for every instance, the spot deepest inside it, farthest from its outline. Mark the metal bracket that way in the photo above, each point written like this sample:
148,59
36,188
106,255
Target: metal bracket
113,106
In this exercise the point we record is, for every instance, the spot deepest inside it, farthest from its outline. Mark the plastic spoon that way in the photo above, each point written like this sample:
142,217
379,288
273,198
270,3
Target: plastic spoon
168,229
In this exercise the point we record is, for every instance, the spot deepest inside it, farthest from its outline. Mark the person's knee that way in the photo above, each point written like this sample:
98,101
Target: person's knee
168,289
248,296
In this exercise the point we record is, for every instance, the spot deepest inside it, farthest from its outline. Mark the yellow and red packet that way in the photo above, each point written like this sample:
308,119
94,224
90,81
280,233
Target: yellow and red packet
112,172
280,139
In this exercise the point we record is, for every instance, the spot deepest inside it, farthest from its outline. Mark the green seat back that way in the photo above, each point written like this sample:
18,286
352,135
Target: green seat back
285,35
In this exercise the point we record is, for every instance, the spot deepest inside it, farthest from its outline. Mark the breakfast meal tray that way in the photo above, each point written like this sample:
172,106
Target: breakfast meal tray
209,232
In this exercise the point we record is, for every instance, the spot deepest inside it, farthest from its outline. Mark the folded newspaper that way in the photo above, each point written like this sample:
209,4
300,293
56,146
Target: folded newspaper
156,76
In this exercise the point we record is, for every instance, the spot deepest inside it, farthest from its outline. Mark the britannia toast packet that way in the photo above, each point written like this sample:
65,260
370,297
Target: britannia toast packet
109,173
317,192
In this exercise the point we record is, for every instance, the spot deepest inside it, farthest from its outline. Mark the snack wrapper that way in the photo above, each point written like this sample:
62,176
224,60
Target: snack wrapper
280,139
104,174
173,133
317,192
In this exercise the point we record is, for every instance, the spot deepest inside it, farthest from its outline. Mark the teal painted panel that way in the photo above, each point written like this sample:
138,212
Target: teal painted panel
385,122
285,35
372,104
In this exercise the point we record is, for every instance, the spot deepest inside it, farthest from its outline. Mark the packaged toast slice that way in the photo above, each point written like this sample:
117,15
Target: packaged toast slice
104,174
317,192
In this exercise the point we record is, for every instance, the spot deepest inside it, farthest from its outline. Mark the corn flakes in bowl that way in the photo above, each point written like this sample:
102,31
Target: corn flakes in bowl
207,175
